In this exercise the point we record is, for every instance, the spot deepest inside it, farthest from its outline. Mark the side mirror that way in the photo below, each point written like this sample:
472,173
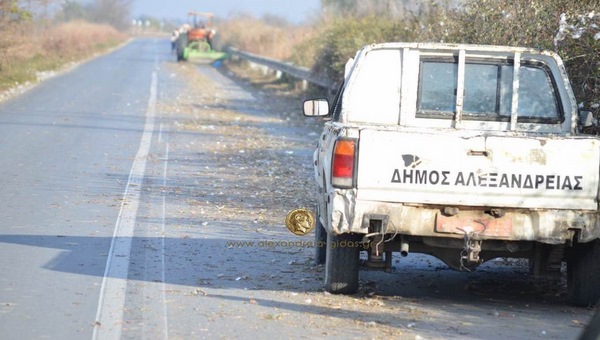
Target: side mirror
316,107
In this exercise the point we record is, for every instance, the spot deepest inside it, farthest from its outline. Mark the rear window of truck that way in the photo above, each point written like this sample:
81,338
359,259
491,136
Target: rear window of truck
487,92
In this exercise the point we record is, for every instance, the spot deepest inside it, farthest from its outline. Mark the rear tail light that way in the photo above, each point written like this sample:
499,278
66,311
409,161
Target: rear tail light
344,154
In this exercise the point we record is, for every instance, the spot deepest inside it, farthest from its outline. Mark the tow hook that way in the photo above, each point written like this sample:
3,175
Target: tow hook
376,259
470,253
376,252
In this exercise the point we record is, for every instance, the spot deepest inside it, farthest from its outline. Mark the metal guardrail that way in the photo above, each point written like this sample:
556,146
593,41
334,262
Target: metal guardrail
301,73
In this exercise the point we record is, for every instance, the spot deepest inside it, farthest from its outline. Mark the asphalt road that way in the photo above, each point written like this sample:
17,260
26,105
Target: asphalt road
67,147
143,198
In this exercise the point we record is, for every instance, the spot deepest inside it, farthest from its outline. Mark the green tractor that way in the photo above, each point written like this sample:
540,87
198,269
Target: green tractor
195,42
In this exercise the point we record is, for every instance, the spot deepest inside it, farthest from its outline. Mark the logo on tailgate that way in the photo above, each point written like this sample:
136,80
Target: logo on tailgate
491,180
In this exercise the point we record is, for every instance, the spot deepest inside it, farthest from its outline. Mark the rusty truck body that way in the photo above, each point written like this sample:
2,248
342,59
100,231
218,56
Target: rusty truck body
464,152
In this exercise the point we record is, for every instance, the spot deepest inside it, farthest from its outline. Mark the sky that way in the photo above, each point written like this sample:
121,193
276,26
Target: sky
295,11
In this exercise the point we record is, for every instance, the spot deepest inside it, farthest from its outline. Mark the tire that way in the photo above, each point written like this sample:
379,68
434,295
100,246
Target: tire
341,263
320,242
583,274
180,55
180,44
592,331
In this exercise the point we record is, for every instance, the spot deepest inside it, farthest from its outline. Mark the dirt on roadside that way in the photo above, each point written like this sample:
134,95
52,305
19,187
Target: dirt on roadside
252,157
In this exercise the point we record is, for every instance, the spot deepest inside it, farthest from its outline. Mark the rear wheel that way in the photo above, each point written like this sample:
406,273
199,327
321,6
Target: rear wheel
583,274
180,54
592,331
342,263
180,44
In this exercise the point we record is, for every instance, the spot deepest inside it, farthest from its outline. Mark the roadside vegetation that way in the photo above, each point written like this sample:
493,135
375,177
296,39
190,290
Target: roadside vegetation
33,41
569,27
269,36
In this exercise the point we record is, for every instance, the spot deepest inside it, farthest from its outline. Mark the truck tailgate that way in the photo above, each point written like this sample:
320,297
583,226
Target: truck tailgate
493,171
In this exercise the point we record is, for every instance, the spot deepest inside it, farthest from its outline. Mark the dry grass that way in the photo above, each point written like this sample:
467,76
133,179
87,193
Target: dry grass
256,36
26,49
75,39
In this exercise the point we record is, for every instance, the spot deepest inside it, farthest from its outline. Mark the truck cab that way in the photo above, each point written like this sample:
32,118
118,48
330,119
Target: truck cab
463,152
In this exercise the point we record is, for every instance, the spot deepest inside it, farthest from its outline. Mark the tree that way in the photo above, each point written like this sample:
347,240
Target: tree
113,12
385,8
12,14
13,11
569,27
72,10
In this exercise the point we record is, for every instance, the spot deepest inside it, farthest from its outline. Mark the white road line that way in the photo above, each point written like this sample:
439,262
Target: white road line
109,316
160,131
163,243
163,221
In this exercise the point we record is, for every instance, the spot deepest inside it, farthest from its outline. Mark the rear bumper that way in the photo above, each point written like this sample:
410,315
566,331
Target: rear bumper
347,214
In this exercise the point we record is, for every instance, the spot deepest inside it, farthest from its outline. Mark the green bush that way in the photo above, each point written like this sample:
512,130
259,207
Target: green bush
342,38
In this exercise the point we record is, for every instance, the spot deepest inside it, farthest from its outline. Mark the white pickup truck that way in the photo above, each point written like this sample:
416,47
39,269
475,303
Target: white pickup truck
464,152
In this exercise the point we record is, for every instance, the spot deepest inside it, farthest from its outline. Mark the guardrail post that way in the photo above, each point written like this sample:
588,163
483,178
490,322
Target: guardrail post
304,85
